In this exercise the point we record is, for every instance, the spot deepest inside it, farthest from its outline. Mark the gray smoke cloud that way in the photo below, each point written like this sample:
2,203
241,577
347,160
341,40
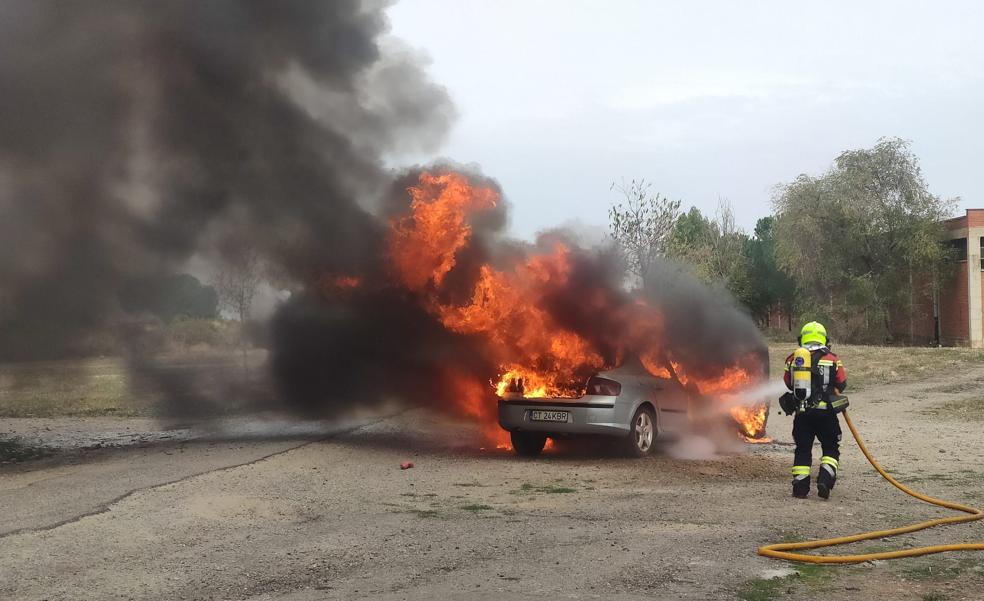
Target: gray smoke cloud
135,134
705,327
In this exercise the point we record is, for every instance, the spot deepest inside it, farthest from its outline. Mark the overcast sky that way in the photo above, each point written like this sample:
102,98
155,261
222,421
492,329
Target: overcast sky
707,100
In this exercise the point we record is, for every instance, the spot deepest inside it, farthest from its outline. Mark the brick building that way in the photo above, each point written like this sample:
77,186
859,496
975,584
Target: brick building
955,314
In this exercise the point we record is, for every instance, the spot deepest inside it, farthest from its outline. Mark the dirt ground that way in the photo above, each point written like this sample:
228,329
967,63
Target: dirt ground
279,510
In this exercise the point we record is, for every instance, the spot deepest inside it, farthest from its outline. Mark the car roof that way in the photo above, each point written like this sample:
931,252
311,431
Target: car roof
632,367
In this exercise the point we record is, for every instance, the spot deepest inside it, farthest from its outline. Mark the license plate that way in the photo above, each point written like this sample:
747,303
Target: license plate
548,416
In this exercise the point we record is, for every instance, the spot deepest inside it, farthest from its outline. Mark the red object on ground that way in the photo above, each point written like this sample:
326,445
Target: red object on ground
406,465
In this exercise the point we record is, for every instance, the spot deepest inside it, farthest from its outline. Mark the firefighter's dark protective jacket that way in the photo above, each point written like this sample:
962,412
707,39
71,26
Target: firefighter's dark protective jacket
828,373
816,418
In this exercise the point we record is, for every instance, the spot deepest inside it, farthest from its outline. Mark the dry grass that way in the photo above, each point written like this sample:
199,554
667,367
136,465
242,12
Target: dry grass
105,386
79,387
971,410
102,387
867,365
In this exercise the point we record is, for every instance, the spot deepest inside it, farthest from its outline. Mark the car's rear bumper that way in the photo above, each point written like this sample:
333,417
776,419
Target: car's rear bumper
597,416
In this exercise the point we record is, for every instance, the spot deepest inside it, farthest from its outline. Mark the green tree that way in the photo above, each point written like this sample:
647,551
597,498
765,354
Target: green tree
641,224
729,257
859,237
237,282
714,248
692,240
170,297
770,287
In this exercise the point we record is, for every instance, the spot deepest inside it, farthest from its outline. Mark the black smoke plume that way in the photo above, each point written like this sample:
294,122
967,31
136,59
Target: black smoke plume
135,135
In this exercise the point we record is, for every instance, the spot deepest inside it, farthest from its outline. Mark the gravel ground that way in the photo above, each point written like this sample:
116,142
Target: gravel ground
326,513
61,434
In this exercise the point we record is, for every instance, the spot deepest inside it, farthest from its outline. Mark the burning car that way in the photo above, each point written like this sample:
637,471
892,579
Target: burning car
528,339
626,403
630,405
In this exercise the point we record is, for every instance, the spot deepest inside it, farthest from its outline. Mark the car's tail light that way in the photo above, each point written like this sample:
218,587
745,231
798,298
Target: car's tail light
604,387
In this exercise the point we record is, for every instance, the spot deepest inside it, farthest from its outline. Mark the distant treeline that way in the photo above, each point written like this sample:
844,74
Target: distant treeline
861,245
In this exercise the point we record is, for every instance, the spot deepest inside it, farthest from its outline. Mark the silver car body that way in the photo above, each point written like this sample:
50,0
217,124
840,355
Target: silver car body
601,414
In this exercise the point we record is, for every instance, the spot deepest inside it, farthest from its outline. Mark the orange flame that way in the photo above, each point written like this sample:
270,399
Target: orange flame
423,245
752,421
472,399
333,284
507,308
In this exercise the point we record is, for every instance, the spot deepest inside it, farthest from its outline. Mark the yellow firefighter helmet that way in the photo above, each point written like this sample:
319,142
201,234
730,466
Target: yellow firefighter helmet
813,332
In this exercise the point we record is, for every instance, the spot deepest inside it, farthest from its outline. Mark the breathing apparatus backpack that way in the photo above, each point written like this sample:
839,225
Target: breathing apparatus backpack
812,389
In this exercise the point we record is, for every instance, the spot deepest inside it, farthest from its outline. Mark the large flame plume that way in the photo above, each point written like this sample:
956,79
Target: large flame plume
524,310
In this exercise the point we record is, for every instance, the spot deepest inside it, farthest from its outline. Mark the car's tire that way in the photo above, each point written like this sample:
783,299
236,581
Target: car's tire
642,433
528,444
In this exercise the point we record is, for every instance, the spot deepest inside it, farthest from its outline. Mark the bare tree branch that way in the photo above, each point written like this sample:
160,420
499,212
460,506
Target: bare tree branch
642,224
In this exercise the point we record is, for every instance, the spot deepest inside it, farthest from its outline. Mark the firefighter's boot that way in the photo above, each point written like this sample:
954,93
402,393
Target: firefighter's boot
827,476
801,481
801,487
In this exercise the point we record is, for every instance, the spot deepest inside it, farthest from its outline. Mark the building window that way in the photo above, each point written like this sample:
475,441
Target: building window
958,248
982,253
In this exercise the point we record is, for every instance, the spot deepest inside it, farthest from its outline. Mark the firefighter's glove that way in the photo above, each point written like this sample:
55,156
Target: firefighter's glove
838,403
788,403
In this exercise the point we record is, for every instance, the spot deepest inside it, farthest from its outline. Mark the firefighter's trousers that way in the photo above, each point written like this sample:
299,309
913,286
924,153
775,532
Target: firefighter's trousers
822,425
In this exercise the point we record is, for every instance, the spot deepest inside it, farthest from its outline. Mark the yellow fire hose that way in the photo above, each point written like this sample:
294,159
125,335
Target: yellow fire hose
786,550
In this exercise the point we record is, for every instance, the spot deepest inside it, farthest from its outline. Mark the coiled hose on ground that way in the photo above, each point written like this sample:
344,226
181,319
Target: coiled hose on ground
787,550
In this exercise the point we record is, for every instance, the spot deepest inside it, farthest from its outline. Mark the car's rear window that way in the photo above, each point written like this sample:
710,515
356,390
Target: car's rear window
603,386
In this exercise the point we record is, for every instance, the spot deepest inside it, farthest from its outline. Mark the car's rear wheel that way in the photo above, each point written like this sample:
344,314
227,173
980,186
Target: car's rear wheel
642,432
528,444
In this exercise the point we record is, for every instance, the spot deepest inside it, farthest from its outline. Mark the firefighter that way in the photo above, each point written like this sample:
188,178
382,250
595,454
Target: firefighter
816,378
